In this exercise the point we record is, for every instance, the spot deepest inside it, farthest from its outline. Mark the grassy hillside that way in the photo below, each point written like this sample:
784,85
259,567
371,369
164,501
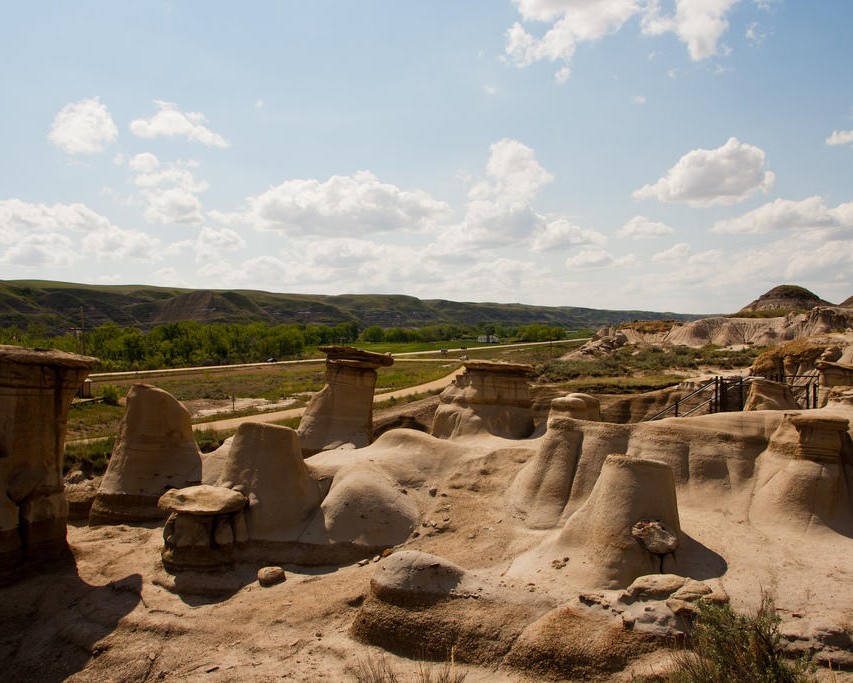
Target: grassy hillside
60,306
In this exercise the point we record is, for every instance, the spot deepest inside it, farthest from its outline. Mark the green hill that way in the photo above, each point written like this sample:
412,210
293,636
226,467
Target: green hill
61,306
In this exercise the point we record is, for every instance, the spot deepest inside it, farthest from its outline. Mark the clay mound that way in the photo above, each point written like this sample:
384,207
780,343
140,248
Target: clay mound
847,303
155,451
573,645
424,606
786,297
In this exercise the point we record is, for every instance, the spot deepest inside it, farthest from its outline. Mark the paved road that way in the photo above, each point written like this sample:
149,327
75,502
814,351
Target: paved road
234,422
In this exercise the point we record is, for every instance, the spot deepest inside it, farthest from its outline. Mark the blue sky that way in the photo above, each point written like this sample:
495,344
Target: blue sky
681,155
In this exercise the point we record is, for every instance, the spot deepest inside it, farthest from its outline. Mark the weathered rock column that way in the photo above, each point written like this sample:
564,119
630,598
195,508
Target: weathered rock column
36,388
489,397
342,412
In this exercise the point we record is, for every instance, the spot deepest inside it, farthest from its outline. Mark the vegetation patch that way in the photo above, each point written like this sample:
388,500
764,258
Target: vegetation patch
727,646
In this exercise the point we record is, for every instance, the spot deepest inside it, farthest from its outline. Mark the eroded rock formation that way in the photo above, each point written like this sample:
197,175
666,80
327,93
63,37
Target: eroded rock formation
488,397
342,412
155,451
36,389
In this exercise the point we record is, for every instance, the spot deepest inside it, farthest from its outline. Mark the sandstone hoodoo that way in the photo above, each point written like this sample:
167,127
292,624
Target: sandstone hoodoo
154,452
488,397
36,389
342,412
576,549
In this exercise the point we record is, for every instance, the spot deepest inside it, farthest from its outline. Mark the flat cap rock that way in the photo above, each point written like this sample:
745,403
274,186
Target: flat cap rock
202,500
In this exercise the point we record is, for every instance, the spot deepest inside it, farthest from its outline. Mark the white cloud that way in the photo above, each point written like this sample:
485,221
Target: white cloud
40,234
699,24
641,228
786,214
172,205
342,205
18,218
83,127
707,177
259,104
169,122
516,175
112,243
598,258
40,250
169,190
144,163
573,23
639,99
840,137
561,233
677,252
211,244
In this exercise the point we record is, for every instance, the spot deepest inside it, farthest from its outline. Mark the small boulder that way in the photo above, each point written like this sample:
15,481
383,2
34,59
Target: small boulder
270,576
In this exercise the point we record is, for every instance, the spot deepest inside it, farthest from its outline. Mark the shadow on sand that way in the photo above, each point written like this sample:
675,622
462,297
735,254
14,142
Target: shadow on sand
51,620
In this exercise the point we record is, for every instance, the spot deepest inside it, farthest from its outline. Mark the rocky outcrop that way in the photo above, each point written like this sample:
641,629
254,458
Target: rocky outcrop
627,527
155,451
36,389
488,397
801,480
342,412
765,394
786,297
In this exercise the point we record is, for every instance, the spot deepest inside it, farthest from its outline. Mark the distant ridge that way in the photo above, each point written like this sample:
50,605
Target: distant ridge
847,303
786,298
61,306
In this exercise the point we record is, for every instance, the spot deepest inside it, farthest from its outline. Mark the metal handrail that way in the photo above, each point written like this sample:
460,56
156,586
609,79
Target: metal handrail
680,400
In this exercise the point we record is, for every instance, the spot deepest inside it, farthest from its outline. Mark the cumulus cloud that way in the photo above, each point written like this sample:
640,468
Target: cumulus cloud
83,127
572,23
641,228
515,175
170,122
144,163
112,243
786,214
170,191
706,177
677,252
561,233
589,259
340,205
60,234
840,137
699,24
499,209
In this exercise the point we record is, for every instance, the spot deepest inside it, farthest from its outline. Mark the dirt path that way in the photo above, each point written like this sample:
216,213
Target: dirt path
275,416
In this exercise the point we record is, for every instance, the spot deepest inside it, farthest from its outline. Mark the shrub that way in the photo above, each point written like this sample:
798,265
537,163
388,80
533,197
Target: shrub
727,646
110,394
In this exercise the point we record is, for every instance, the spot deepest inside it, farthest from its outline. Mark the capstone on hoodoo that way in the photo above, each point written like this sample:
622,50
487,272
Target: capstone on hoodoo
490,397
342,411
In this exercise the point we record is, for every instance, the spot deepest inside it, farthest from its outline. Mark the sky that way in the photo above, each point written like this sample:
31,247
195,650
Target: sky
663,155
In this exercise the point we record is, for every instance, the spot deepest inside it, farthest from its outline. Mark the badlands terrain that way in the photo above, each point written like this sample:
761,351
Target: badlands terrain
512,540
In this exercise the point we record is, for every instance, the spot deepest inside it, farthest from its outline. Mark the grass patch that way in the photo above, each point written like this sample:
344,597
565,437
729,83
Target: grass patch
376,669
91,457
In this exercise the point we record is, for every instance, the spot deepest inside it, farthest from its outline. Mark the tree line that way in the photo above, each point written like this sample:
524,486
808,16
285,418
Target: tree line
190,343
